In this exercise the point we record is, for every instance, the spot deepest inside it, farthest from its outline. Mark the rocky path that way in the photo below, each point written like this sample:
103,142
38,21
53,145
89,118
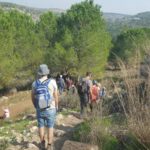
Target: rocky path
64,128
29,140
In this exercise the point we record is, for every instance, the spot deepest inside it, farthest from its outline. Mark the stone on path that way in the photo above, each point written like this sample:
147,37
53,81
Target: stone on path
32,146
71,145
59,133
59,119
34,129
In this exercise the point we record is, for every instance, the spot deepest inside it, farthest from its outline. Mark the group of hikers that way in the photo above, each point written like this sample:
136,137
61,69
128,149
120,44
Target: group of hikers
45,93
64,82
90,92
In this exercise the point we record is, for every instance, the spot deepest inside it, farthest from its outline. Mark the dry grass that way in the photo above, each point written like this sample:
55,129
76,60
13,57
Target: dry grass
69,101
136,105
18,104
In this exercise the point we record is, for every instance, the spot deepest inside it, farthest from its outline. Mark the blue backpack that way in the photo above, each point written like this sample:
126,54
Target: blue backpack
42,94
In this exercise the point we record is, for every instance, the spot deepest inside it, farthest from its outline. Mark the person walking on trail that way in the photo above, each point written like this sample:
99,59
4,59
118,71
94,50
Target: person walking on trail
89,84
6,114
61,84
94,97
102,92
68,83
45,100
84,90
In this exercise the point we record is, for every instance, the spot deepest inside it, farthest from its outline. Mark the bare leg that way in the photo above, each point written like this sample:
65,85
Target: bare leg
41,134
50,135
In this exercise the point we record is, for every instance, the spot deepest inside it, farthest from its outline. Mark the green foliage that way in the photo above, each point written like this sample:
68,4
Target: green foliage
116,23
82,129
17,126
21,125
98,131
18,43
75,41
7,129
110,143
95,132
91,42
131,43
4,144
47,26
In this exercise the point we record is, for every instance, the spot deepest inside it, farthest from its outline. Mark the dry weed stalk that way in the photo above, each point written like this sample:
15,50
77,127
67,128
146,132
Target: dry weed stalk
136,103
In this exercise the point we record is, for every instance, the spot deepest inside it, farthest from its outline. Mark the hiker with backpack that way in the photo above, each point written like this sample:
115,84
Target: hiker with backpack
45,100
61,84
94,97
84,91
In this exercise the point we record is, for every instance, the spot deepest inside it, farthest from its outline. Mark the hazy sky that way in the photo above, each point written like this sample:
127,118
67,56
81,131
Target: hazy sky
115,6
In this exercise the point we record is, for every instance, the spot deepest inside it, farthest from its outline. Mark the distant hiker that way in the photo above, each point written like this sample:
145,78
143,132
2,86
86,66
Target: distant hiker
61,84
89,83
6,114
57,78
73,89
84,90
102,93
45,100
95,91
68,83
94,97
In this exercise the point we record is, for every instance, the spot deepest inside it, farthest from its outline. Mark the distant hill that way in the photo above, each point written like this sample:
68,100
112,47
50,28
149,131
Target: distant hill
114,16
110,17
145,15
34,12
118,22
115,22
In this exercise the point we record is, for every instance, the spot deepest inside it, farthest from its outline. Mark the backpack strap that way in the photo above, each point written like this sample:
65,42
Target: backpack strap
38,82
46,82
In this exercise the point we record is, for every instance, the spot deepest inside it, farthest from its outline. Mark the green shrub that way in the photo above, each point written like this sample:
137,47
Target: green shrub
96,131
82,130
110,143
4,144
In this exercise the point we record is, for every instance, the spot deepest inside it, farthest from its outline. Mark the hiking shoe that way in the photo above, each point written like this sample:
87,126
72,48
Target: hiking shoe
50,147
42,145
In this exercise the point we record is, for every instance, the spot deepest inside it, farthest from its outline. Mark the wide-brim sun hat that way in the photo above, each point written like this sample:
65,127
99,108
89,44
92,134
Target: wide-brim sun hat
43,70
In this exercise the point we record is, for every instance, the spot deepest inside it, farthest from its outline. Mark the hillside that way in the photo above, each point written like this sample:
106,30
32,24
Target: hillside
115,16
109,17
35,12
132,19
118,22
115,22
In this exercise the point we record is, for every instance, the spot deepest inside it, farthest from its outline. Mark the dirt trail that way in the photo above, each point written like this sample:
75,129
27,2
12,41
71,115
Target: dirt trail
68,124
20,105
65,126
